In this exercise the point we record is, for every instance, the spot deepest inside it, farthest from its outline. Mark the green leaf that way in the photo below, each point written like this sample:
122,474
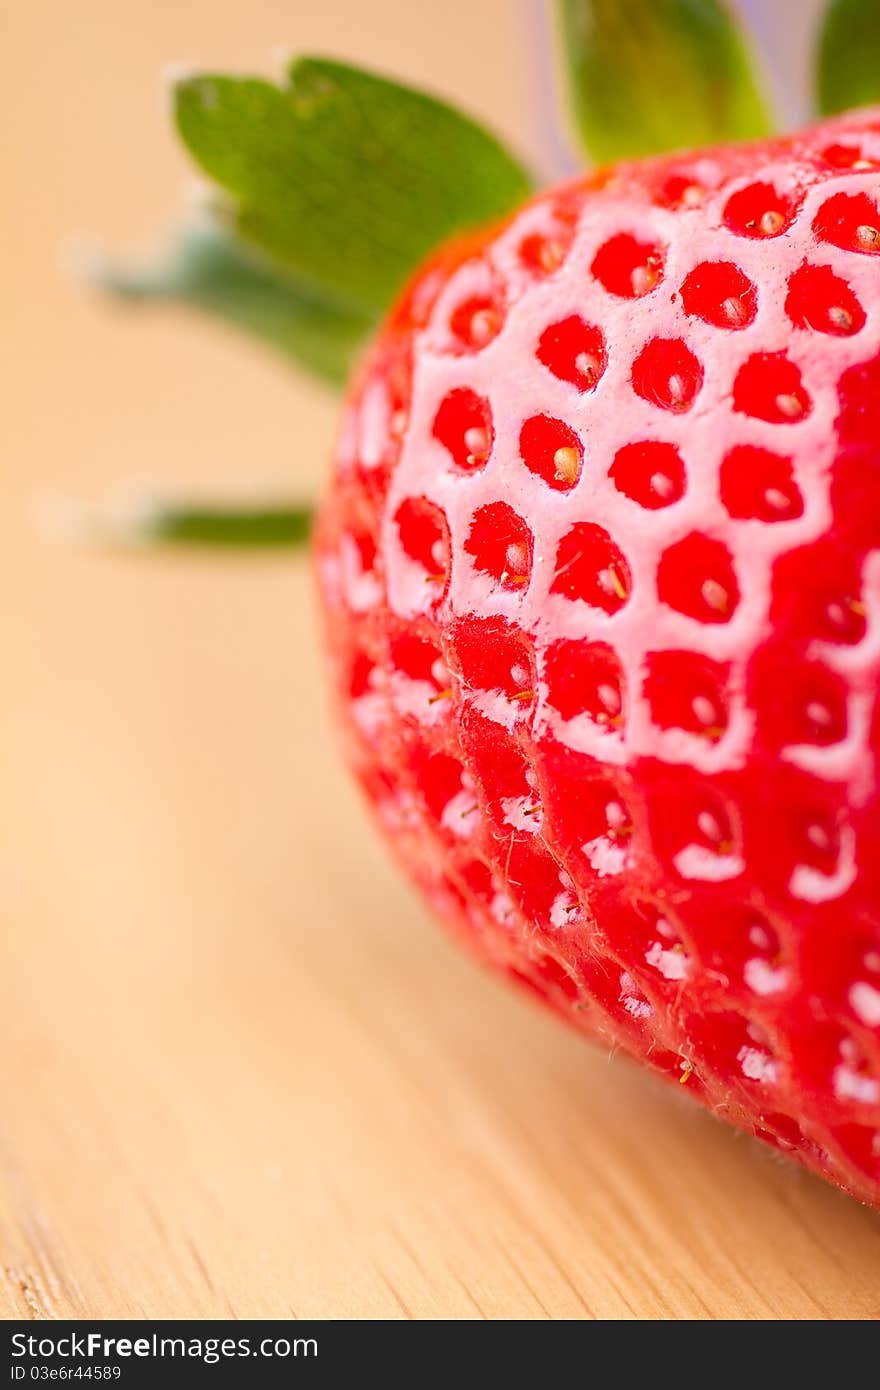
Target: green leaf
348,179
648,76
207,268
849,56
263,528
148,523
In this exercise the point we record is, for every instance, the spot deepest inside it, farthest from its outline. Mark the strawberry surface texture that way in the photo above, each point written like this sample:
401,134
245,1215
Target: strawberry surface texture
600,565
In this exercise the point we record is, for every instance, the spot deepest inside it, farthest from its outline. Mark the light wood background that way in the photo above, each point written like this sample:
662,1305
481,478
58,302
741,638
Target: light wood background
242,1073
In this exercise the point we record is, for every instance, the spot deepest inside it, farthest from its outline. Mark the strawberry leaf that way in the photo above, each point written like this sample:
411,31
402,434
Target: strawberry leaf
150,522
347,178
265,527
849,56
207,268
655,75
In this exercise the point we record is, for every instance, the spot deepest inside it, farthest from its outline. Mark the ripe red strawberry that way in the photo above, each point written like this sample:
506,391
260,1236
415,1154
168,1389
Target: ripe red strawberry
601,558
601,569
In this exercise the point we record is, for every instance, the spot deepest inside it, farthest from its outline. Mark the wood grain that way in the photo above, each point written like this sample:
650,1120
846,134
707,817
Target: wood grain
242,1073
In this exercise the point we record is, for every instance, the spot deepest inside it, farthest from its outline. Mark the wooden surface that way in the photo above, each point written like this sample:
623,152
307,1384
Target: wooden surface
242,1073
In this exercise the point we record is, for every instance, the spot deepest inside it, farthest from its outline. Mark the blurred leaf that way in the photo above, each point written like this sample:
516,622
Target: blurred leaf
347,178
159,522
207,268
648,76
849,56
264,527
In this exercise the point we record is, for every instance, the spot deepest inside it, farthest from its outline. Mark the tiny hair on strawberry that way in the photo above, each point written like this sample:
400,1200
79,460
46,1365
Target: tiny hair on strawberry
599,555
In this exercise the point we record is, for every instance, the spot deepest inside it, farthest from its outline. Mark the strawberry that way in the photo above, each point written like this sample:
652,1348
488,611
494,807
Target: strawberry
600,558
600,573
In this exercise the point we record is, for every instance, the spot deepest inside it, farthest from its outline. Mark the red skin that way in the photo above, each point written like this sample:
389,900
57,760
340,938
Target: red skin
599,571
